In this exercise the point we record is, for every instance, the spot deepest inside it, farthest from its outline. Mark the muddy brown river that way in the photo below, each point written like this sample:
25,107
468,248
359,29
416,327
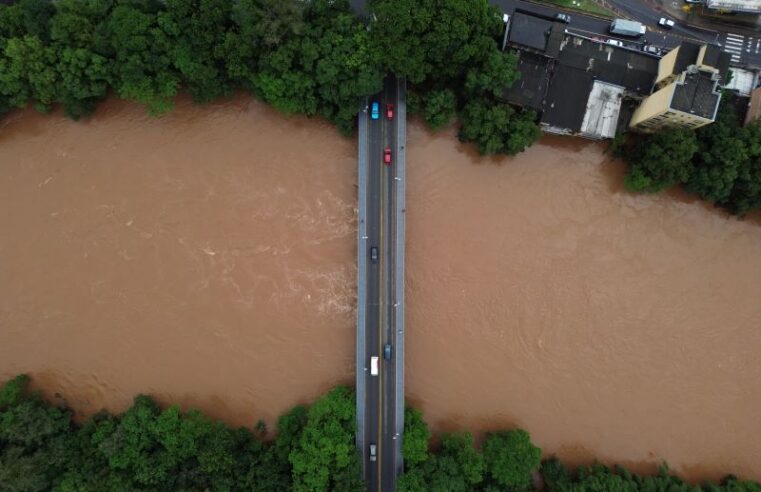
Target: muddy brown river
207,258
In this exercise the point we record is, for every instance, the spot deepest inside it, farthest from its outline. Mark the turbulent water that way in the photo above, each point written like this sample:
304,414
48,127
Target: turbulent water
207,258
610,325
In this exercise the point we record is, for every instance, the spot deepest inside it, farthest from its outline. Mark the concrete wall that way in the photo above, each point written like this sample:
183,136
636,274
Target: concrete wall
666,65
654,105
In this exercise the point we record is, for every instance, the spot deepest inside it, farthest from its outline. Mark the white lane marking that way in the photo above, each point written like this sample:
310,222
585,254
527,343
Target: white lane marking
732,41
732,35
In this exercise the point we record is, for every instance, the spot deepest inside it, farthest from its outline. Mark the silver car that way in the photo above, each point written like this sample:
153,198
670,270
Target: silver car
373,457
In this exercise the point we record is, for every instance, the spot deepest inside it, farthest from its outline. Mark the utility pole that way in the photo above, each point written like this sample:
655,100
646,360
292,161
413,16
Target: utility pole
506,20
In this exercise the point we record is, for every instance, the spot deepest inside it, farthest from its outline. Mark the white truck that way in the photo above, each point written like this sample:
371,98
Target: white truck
624,27
374,365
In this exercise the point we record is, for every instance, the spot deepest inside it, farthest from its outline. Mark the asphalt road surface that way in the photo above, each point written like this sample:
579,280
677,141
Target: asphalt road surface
380,390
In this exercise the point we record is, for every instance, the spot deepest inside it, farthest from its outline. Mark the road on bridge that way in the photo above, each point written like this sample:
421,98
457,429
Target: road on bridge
380,397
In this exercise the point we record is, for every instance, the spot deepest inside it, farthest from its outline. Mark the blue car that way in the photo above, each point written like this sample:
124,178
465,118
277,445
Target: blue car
375,111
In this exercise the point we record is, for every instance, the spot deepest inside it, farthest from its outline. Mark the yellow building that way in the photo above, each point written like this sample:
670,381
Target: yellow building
686,92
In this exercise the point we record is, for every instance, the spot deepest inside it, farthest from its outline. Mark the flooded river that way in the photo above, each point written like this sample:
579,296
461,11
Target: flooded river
540,294
207,258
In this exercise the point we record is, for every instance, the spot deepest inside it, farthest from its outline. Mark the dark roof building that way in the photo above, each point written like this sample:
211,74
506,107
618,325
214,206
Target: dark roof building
697,95
631,69
567,99
535,32
584,86
529,91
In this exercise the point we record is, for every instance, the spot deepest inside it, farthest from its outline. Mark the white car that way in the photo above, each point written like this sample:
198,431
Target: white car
666,23
615,42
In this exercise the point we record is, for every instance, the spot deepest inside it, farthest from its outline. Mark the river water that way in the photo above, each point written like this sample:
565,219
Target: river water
207,258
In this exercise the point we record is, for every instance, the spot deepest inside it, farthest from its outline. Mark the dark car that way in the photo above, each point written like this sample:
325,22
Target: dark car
374,254
387,351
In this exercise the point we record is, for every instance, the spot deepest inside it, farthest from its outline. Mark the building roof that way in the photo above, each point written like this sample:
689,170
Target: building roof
723,65
531,30
711,55
633,70
530,89
743,81
567,97
686,56
698,95
752,6
603,108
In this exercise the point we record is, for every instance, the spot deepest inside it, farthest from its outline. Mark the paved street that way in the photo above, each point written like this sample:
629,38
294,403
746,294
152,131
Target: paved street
378,424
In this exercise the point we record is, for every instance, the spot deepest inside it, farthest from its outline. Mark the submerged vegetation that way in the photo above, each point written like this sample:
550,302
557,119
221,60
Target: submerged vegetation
152,449
719,163
314,58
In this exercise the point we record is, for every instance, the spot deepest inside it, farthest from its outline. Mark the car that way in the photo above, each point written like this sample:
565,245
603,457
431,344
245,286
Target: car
653,50
390,111
666,23
562,17
373,456
615,42
374,254
387,351
375,111
387,156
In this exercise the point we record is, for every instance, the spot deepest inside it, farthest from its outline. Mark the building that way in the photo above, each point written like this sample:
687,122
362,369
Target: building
754,107
742,81
576,84
686,92
584,86
746,6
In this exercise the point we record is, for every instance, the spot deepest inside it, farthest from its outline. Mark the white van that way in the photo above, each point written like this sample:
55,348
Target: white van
374,365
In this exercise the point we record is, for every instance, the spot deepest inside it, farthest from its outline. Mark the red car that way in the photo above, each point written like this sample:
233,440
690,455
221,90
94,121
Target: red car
387,156
390,111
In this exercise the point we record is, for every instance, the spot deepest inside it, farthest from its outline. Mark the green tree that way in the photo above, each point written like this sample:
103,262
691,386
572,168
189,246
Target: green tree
416,437
438,107
497,128
439,39
661,161
494,76
326,458
84,74
198,29
511,458
456,467
722,154
36,17
139,35
746,194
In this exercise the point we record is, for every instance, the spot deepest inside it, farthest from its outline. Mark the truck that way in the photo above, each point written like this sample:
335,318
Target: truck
624,27
374,365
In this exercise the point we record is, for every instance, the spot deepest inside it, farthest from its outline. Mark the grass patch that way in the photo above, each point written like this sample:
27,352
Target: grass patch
587,6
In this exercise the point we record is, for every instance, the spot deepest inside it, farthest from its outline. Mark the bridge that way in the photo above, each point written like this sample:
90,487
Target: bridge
380,285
